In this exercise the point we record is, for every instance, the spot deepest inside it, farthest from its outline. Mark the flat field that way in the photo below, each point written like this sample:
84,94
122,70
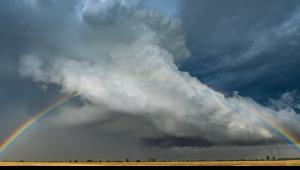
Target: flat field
204,163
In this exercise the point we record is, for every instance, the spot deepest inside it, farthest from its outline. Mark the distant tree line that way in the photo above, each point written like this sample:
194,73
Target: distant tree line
267,158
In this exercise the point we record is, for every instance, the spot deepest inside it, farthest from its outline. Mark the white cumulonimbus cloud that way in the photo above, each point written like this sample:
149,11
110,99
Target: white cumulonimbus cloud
126,61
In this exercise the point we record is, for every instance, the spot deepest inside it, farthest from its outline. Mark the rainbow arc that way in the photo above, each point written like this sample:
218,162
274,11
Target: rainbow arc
20,131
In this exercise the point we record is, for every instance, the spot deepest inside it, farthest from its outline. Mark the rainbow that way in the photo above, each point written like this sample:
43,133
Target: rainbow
280,129
10,140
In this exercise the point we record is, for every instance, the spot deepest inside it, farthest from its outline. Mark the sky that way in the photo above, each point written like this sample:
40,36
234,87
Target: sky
171,80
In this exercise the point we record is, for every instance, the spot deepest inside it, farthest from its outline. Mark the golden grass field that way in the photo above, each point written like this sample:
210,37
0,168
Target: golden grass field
204,163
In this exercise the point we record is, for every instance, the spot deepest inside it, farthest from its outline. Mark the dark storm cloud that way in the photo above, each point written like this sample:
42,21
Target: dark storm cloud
173,141
24,29
246,46
20,31
121,60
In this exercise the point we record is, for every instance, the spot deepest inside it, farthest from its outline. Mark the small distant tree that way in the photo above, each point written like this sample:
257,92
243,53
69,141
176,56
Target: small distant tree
268,157
127,159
